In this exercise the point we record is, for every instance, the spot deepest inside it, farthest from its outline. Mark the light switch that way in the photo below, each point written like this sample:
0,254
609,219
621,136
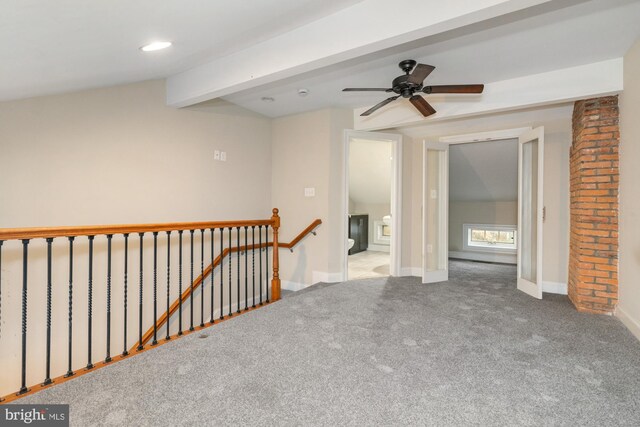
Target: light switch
434,194
223,156
310,192
216,155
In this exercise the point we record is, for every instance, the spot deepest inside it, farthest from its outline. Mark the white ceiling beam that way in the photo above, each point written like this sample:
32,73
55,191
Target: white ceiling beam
364,28
553,87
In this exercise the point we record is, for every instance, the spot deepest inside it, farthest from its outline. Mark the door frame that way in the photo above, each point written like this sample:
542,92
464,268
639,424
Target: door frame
494,135
396,197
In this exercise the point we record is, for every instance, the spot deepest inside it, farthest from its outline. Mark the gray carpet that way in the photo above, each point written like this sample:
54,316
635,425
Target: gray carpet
471,351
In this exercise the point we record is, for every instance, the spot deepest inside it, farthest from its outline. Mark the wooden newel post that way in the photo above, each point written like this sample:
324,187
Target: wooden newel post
275,282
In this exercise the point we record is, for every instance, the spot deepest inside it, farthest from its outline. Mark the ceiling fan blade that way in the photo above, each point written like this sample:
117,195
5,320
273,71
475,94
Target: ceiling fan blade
422,105
365,89
379,105
454,89
419,73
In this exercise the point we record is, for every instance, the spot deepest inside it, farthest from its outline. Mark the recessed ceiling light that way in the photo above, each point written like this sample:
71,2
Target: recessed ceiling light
267,99
303,92
151,47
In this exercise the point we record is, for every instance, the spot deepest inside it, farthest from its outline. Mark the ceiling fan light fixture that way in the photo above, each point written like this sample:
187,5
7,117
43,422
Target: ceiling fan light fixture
155,46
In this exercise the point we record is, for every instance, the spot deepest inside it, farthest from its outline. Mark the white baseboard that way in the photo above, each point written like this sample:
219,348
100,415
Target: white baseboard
554,287
325,277
411,271
292,286
632,324
484,256
379,248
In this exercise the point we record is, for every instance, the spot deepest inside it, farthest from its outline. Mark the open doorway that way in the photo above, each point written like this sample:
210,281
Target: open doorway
495,212
372,190
483,201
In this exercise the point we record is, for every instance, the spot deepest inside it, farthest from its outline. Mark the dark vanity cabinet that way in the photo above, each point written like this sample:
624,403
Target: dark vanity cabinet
359,231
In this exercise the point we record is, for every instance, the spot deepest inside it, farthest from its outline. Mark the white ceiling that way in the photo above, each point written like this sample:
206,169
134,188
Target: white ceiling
370,171
580,33
67,45
484,171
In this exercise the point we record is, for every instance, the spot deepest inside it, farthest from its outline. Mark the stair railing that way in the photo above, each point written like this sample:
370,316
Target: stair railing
47,267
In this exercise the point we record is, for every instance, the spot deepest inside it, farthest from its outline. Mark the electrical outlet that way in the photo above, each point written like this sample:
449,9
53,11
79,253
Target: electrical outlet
434,194
216,155
223,156
429,249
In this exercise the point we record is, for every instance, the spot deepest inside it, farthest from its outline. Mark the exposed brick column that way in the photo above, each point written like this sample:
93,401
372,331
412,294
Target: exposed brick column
593,246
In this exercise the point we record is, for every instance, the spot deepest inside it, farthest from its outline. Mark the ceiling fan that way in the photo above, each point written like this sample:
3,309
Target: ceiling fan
411,83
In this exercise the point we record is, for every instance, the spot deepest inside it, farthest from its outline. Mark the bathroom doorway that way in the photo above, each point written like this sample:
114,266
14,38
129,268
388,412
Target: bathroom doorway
372,186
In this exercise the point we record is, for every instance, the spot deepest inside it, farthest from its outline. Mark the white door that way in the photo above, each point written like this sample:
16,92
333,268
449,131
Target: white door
530,211
435,200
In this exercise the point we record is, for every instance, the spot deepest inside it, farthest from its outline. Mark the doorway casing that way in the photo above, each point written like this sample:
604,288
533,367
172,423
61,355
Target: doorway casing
396,196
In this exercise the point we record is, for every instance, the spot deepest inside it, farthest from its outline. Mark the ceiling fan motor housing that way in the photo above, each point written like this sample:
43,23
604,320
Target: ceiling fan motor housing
401,86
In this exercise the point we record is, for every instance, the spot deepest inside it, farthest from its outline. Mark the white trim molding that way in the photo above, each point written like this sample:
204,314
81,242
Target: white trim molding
292,286
484,256
632,324
325,277
554,287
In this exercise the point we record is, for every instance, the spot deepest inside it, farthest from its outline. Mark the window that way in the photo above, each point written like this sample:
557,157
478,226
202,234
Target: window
489,237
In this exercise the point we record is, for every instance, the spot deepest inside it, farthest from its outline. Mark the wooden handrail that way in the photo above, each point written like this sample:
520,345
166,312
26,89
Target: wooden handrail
302,234
95,230
207,271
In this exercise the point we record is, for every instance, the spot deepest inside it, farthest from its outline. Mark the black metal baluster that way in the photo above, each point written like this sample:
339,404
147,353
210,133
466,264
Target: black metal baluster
191,299
266,259
25,256
260,259
140,346
155,288
238,269
180,282
212,270
230,313
126,279
253,264
47,379
168,337
202,278
69,370
246,270
221,273
107,359
90,299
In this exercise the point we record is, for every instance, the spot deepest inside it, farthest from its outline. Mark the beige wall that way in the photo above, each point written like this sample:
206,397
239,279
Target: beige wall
115,155
629,306
411,253
555,258
120,155
308,152
487,212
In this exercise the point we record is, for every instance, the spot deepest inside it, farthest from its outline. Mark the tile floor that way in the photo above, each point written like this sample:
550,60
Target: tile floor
368,264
